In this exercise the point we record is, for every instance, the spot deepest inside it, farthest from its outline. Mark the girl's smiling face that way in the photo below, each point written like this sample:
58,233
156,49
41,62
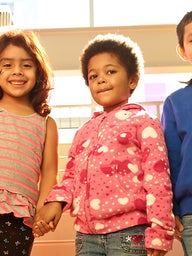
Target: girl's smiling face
17,72
108,81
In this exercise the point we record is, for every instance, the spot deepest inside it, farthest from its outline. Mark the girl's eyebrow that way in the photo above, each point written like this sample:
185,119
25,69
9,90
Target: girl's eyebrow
22,59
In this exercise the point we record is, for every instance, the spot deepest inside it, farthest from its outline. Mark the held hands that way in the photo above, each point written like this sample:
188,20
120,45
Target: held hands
47,218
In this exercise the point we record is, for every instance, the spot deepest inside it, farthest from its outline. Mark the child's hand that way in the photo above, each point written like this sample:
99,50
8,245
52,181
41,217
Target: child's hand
153,252
47,218
178,228
41,227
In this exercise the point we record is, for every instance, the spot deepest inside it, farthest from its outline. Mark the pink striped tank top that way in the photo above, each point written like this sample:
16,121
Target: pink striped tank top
21,147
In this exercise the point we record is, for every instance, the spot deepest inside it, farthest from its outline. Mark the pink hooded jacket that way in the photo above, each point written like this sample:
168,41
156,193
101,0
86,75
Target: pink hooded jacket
117,176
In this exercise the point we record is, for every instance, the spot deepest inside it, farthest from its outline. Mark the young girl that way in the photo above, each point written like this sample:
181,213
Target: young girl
116,182
28,139
176,121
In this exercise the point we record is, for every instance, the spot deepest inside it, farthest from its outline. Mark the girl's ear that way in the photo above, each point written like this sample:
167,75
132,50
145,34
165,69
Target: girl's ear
181,52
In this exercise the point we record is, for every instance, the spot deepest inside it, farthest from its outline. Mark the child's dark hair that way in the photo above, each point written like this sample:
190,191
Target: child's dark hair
30,43
180,29
127,52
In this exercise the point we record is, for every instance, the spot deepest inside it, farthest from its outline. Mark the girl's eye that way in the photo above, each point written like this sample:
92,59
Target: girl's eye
6,65
26,65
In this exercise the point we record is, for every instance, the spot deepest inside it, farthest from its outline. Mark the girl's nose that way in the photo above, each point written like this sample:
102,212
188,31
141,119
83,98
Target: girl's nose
17,71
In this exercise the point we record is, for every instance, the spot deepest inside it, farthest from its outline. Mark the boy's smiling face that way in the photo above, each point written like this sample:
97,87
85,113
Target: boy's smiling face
108,81
186,51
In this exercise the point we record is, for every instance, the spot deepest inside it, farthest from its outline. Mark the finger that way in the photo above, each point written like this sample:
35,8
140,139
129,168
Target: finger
56,220
51,225
177,234
149,252
178,237
36,235
153,252
36,232
163,253
180,228
41,228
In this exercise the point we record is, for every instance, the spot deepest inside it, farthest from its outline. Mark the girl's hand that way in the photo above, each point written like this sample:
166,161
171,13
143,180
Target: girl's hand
41,227
153,252
47,218
178,228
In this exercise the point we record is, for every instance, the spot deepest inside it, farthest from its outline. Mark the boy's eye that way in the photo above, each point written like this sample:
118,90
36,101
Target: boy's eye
111,71
93,76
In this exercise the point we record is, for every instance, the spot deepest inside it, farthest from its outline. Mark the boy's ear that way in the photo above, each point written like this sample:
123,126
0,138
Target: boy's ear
181,52
133,82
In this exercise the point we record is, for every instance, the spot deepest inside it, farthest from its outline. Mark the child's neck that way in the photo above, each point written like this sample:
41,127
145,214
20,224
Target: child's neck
16,106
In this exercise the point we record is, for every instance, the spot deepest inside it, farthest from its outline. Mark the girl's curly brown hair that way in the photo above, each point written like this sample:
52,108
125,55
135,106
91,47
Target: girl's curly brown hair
30,43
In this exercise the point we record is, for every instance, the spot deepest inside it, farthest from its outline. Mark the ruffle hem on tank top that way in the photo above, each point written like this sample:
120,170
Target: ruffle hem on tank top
18,204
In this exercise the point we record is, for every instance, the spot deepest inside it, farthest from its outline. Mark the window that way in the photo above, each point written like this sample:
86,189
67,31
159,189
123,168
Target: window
39,14
138,12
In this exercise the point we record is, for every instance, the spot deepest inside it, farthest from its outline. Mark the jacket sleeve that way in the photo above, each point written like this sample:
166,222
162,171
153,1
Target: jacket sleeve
160,233
173,142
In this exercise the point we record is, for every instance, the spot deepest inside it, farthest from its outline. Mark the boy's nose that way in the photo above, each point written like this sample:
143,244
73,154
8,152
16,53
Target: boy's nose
101,80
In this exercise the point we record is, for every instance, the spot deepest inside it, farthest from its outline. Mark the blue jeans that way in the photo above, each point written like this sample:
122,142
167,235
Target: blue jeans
187,235
127,242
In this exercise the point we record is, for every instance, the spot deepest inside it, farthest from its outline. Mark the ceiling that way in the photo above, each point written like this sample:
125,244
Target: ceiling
158,44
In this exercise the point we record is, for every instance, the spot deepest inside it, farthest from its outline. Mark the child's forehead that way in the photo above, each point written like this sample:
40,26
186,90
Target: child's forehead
188,29
13,51
103,61
107,57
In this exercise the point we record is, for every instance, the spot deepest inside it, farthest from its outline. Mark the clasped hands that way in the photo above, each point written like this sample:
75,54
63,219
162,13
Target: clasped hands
47,218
